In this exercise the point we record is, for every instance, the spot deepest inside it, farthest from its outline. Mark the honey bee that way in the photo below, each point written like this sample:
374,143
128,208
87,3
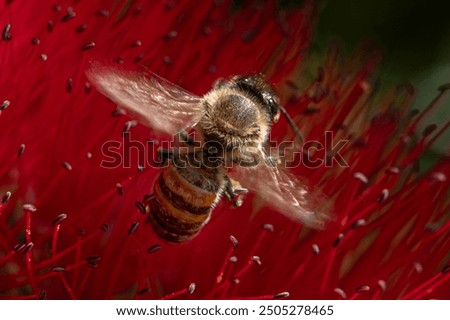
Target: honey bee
231,125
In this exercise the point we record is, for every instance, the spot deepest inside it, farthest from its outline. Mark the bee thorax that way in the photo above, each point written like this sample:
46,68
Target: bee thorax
234,113
233,119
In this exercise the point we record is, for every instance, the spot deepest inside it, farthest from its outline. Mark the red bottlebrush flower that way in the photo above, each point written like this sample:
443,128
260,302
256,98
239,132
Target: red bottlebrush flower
70,228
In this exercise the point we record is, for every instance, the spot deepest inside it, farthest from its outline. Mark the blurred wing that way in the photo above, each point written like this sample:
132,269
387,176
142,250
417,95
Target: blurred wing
284,192
152,100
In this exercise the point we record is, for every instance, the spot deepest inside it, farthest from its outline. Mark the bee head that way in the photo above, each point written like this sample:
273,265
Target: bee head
258,88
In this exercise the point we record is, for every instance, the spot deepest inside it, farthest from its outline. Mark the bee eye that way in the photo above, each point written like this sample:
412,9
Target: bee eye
274,111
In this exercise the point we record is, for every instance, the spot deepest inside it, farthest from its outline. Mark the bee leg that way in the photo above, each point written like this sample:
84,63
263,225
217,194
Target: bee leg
234,192
164,155
186,138
271,161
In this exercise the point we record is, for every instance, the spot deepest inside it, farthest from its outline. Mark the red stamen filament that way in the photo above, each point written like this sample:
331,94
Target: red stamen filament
220,278
67,287
29,253
68,250
55,239
77,258
427,287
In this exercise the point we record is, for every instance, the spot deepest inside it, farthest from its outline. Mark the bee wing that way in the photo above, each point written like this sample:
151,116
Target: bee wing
152,100
284,192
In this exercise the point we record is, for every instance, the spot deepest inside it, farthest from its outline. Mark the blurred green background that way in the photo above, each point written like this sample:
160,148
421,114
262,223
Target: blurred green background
415,38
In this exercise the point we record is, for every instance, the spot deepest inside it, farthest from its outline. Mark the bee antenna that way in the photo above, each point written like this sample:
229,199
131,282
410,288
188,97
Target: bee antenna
297,132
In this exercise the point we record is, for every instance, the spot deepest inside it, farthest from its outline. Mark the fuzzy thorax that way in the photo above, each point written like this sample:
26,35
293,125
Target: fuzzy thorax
233,119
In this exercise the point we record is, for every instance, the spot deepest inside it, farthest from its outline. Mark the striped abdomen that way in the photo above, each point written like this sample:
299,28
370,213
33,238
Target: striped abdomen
183,200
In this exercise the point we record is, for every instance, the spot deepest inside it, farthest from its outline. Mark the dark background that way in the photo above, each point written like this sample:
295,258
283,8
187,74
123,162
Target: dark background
413,35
